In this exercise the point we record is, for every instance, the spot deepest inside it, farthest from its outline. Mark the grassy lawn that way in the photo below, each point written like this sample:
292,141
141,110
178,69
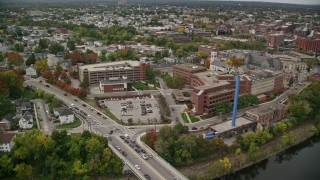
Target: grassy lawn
141,86
110,115
76,123
204,116
104,111
184,117
28,94
193,118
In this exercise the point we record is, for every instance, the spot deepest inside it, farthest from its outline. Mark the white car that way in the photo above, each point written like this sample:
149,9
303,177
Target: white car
137,166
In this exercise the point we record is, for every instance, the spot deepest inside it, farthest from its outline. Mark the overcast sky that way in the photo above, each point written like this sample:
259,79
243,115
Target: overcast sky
289,1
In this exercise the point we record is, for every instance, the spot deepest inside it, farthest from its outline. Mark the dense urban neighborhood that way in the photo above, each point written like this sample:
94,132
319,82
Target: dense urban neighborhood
154,90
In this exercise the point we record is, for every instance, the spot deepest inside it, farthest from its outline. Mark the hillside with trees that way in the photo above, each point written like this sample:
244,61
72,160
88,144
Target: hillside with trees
60,156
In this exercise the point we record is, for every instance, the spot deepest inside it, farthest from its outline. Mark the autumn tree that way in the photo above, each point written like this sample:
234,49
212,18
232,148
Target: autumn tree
41,66
150,138
14,58
11,81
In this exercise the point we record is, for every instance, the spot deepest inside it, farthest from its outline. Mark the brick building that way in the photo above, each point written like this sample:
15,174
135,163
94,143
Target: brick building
115,85
265,116
275,40
187,70
208,49
262,83
308,44
131,70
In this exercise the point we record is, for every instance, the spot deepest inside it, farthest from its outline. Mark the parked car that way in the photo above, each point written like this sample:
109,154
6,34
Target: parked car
137,146
104,117
76,100
122,137
137,150
124,153
110,132
194,128
142,150
84,105
99,113
130,127
119,149
47,85
65,94
127,141
110,138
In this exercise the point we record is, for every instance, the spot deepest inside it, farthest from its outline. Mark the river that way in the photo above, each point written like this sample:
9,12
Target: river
301,162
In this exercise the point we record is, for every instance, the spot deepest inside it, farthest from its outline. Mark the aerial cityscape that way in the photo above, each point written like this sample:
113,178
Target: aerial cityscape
139,89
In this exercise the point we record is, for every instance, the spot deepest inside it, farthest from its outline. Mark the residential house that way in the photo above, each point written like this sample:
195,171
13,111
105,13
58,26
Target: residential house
65,115
6,141
22,106
5,122
30,71
26,121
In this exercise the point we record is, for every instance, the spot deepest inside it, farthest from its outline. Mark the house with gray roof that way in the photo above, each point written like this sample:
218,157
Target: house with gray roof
65,115
26,121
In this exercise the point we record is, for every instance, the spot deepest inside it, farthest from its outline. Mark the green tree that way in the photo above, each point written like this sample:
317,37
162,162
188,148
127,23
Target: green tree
31,60
55,48
41,66
23,171
6,166
43,43
299,109
253,151
202,54
71,45
1,57
84,84
59,68
5,106
18,47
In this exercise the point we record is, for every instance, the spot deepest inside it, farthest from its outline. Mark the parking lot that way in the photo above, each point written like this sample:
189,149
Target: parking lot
144,110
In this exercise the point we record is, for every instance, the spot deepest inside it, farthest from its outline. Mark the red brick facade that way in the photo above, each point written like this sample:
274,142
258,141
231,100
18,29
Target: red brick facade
308,44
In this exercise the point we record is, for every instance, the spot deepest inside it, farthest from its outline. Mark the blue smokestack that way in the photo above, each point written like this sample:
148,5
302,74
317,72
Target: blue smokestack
235,102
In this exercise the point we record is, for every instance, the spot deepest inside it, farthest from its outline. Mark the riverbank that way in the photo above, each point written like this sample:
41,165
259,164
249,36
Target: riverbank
209,169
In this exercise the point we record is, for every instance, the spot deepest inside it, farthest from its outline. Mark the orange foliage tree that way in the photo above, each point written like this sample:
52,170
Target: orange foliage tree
14,58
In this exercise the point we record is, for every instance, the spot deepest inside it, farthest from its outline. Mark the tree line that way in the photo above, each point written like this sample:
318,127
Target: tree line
60,156
178,147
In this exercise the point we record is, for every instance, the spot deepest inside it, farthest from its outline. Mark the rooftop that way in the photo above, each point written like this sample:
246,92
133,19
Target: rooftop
63,111
114,81
111,65
227,125
210,80
6,138
190,67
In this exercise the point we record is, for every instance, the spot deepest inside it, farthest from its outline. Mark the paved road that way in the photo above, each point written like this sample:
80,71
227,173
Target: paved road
42,114
157,170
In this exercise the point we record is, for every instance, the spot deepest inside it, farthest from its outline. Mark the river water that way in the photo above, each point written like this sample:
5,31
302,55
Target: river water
301,162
